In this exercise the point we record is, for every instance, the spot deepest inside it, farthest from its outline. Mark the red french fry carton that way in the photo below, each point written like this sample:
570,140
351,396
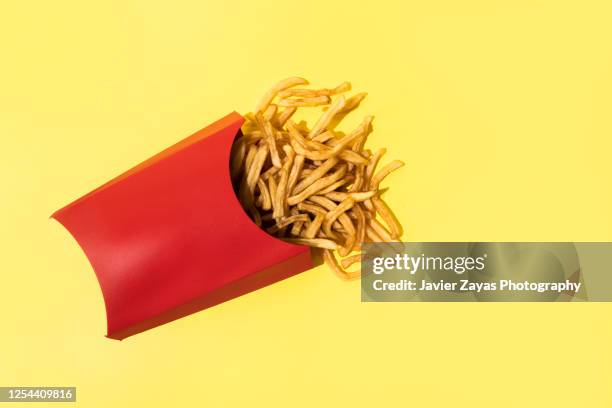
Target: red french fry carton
169,238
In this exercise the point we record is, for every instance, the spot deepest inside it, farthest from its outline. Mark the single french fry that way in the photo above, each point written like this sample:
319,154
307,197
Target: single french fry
266,127
270,172
254,171
360,141
315,175
353,157
279,198
336,185
284,116
317,186
330,261
327,117
361,223
347,262
272,187
387,215
311,208
288,221
373,163
314,242
313,101
280,86
314,226
384,172
248,161
354,101
343,87
296,228
372,235
270,112
341,196
264,194
324,137
359,178
296,169
380,230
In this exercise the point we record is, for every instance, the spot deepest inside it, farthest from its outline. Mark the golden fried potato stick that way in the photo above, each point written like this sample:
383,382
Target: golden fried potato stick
353,157
252,137
343,87
272,187
361,224
281,193
384,172
347,262
252,175
311,208
324,137
353,102
314,101
314,242
317,186
341,196
330,261
380,230
369,172
270,112
372,235
283,117
305,172
287,221
373,163
359,179
296,228
315,175
349,242
314,226
248,161
387,215
266,127
336,185
264,194
280,196
281,86
366,125
296,169
327,117
268,173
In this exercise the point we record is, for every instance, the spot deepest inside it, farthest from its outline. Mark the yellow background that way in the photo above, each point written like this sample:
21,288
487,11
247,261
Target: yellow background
501,111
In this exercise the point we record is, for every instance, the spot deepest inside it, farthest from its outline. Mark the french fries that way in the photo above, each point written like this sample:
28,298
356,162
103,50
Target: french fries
313,186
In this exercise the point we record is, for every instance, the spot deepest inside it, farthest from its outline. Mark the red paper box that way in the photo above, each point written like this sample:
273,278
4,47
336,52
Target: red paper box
169,238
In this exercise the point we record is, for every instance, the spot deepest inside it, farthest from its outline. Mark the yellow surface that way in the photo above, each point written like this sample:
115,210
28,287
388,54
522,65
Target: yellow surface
501,111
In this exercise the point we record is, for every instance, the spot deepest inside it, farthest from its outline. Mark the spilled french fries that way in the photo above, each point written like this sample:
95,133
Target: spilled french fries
313,186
